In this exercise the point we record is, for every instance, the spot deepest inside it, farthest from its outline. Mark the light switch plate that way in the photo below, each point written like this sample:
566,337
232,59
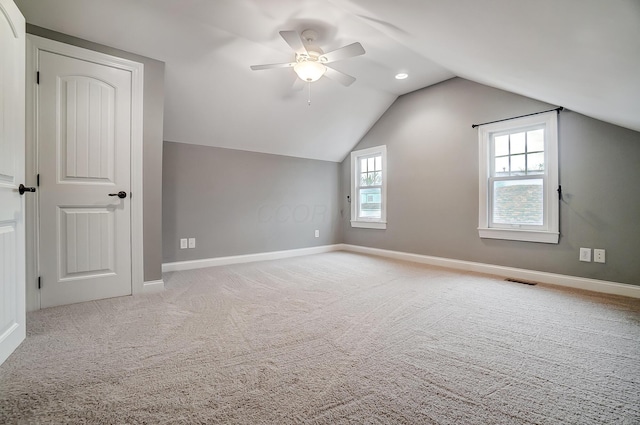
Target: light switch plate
585,254
183,243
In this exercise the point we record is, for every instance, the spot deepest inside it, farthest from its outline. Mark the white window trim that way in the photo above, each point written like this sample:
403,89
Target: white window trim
380,223
550,231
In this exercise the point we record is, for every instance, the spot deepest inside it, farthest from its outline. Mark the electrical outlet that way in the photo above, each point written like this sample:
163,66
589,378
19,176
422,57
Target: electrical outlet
183,243
598,255
192,242
317,233
585,254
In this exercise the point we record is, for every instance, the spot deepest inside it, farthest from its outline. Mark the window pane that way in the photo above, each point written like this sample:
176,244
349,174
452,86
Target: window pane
517,165
370,203
368,179
535,140
502,166
377,178
518,202
371,166
363,179
501,145
371,178
535,163
517,143
378,163
363,165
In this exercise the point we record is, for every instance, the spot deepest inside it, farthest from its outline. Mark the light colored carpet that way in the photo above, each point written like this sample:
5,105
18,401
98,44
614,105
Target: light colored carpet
331,339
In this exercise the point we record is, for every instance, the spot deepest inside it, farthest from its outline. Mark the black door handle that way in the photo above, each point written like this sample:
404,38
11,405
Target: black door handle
22,189
122,194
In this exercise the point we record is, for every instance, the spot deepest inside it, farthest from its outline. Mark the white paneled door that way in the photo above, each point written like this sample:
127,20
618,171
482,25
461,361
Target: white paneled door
84,138
12,158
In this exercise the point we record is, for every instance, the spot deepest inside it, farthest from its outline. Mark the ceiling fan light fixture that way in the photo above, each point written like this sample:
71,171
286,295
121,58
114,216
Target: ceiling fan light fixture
309,71
402,76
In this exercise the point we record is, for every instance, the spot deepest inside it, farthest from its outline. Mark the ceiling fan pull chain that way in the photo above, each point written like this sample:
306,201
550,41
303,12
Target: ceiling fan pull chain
309,98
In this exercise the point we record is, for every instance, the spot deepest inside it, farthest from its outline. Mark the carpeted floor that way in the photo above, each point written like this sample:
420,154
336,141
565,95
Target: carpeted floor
330,339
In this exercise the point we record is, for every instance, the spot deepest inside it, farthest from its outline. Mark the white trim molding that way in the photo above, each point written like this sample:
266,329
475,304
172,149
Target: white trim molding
588,284
152,286
519,235
369,224
248,258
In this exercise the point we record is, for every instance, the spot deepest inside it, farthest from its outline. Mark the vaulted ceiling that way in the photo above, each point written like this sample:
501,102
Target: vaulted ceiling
580,54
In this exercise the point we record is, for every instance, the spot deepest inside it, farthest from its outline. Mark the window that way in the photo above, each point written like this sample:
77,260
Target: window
369,188
519,179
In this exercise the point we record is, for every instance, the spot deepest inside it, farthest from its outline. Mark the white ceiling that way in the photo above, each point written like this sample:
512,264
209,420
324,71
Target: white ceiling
580,54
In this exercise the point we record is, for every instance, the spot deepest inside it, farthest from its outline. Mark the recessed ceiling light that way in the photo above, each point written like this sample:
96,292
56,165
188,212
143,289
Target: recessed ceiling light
401,76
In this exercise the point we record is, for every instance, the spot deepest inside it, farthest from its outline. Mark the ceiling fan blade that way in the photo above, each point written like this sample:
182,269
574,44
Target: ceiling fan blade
354,49
272,65
293,39
341,77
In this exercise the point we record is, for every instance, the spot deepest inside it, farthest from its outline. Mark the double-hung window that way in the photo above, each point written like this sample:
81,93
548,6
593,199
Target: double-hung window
369,188
519,179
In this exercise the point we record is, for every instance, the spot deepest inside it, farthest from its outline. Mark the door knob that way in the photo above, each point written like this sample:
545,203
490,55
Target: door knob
22,189
122,194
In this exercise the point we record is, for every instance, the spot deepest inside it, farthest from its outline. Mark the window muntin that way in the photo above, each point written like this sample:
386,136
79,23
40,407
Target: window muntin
518,179
368,188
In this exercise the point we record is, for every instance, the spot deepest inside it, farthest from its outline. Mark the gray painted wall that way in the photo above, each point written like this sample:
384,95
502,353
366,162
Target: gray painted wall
237,202
152,144
433,184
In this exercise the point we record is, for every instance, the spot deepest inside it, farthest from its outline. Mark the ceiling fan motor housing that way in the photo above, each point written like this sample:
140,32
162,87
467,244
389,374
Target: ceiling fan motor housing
309,36
314,54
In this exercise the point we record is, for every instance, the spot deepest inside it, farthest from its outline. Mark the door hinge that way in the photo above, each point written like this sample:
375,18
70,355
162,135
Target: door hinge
38,180
39,282
560,192
37,77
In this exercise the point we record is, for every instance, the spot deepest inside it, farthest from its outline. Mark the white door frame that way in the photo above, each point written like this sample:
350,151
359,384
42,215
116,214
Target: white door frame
36,44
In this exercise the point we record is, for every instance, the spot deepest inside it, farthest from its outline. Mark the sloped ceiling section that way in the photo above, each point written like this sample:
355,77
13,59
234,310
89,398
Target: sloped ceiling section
581,54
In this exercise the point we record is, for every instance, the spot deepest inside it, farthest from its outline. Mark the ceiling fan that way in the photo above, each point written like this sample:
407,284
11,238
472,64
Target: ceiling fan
311,62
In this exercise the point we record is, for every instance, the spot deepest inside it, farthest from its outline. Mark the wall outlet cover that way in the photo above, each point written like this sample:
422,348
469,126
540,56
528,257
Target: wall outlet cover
192,242
317,233
599,255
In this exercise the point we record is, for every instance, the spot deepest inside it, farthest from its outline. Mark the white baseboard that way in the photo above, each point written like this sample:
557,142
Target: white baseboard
588,284
153,286
595,285
249,258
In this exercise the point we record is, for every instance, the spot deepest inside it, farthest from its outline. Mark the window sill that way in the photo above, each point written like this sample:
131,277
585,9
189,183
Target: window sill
519,235
369,224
